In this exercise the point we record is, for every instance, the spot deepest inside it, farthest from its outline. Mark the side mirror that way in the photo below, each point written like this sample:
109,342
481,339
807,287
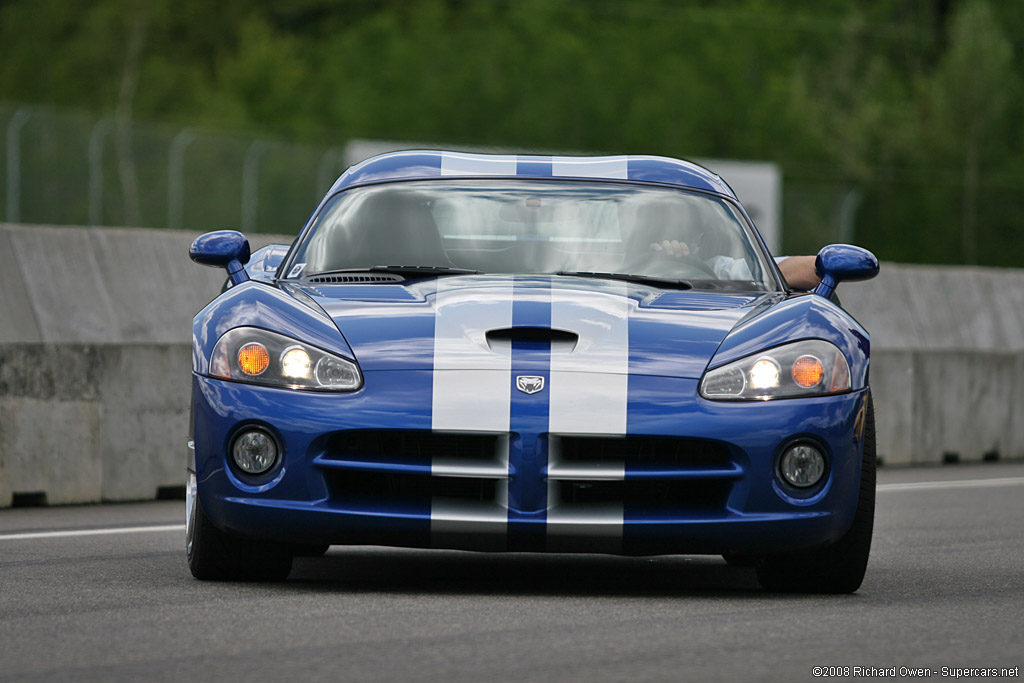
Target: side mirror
223,249
843,262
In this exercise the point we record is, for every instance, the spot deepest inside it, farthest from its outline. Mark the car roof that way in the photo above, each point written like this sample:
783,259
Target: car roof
431,164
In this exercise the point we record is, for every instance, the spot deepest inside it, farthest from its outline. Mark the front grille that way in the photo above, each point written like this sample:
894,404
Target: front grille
646,474
648,495
369,489
668,453
404,446
377,468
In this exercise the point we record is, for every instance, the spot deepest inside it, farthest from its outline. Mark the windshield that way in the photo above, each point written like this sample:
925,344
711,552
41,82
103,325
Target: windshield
511,226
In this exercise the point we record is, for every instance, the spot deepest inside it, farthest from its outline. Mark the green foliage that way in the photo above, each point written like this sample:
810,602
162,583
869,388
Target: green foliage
914,107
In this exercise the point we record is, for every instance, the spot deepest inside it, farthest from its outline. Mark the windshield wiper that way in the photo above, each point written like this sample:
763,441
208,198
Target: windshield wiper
629,277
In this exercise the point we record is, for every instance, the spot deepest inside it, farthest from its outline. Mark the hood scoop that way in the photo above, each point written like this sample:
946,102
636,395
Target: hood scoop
561,341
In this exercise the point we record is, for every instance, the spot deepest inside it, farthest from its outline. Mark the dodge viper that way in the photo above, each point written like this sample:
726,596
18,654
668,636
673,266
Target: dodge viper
499,353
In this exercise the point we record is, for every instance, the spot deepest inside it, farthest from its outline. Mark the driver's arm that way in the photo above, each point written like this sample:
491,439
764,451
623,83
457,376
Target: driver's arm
799,271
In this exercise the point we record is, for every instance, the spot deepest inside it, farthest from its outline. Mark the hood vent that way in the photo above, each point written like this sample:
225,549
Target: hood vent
355,278
560,340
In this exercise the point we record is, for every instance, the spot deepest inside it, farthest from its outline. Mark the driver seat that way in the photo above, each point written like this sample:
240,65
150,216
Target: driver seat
392,228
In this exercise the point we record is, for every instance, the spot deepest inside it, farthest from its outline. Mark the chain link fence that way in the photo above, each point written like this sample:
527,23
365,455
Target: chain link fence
69,168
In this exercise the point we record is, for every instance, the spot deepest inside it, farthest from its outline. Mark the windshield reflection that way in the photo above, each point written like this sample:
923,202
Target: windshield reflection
536,227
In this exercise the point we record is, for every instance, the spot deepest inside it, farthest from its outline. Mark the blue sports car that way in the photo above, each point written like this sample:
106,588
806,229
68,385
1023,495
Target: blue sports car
524,353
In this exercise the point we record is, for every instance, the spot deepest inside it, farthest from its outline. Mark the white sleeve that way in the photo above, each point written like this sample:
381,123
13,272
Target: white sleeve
728,268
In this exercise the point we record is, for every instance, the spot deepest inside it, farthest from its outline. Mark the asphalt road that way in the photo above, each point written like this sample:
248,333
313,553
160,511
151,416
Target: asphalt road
103,593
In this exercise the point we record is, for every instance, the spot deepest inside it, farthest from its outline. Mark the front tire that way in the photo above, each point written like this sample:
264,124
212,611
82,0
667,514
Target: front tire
214,555
840,567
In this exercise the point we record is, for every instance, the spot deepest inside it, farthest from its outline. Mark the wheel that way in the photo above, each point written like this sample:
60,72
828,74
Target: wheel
840,567
216,556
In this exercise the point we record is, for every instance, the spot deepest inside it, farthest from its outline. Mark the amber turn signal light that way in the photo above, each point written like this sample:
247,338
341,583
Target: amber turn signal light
808,371
253,358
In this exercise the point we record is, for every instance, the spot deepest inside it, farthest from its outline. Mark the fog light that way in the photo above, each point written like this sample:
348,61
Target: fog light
802,465
254,451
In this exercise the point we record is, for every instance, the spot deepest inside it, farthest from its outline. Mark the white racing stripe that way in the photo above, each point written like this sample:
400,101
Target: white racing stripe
606,168
590,386
594,528
456,164
91,532
952,484
589,395
471,392
471,381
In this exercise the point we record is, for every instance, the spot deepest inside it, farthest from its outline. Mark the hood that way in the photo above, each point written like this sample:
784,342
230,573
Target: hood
477,322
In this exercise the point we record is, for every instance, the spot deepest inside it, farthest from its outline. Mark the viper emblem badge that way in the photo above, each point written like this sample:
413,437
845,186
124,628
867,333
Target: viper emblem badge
529,384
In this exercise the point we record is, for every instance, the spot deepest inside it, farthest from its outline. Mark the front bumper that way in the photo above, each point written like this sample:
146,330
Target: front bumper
689,476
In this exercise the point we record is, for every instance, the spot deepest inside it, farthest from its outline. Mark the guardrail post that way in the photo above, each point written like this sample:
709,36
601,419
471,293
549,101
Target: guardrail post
848,215
175,176
14,126
327,171
251,185
96,139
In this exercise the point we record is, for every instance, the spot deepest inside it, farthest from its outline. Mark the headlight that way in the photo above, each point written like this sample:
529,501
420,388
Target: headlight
249,354
805,368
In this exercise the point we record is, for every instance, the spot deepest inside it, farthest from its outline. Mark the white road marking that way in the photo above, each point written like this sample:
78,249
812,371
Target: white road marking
953,484
91,532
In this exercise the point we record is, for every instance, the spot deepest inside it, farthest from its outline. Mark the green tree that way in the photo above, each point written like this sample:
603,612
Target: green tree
915,108
970,94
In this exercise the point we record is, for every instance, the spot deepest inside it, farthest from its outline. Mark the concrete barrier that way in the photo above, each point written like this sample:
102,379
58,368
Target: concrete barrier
940,308
94,361
88,422
947,360
939,406
103,285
